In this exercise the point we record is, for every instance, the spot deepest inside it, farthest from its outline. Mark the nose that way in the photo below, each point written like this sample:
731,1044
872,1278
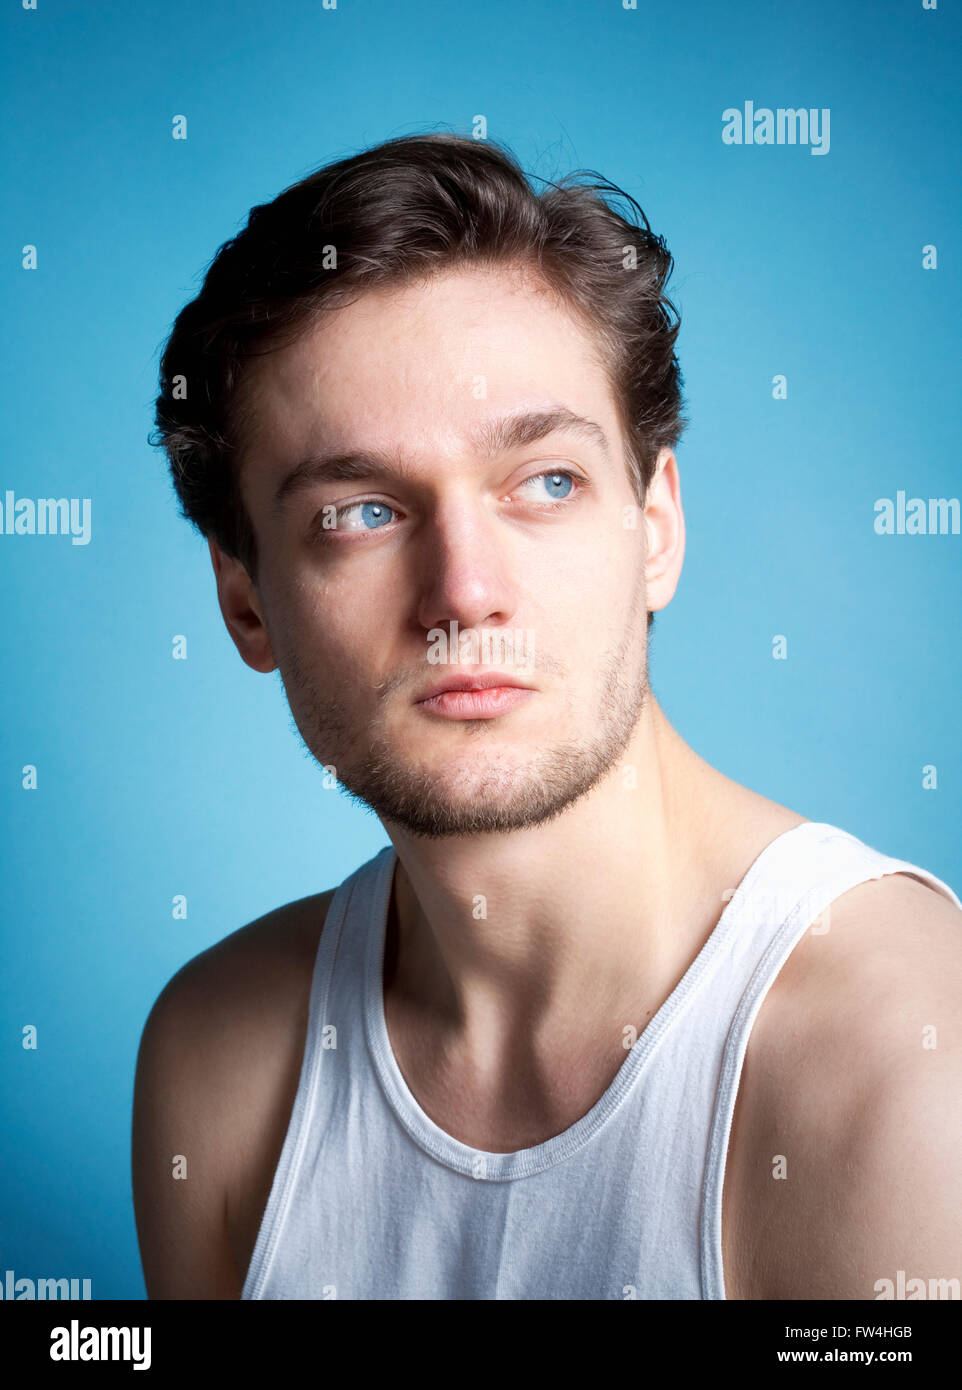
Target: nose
466,573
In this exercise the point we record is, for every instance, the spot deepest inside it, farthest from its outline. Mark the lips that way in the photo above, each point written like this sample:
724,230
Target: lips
474,697
486,682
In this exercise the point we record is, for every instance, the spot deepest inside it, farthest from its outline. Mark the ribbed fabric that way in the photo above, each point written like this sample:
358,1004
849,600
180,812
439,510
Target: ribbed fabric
372,1200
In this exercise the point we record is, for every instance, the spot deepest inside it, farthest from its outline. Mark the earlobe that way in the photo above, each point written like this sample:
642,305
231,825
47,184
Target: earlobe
241,609
665,532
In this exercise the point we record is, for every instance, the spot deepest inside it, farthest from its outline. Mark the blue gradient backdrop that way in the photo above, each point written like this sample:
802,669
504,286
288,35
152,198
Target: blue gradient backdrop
159,777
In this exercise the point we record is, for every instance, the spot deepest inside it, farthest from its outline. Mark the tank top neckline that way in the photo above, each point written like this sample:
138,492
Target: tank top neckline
499,1167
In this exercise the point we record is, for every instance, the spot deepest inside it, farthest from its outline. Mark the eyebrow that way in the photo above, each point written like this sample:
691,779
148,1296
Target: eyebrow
492,437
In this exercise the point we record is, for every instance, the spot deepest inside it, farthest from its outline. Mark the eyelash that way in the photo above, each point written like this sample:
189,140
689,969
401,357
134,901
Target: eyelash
318,532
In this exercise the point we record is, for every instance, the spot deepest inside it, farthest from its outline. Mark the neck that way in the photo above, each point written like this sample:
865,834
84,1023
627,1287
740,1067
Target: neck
508,942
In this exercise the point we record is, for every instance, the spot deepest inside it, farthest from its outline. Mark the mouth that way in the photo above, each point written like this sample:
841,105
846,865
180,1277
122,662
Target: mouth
474,697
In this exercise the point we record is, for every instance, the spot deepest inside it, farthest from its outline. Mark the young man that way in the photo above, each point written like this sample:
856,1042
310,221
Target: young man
600,1022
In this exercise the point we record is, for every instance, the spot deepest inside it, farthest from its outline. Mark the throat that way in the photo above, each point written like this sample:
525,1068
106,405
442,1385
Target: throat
504,1105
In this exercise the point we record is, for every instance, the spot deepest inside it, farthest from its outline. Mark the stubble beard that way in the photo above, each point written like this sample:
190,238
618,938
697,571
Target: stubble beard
473,794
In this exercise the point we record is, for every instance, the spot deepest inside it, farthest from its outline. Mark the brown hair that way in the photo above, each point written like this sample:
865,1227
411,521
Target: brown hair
391,215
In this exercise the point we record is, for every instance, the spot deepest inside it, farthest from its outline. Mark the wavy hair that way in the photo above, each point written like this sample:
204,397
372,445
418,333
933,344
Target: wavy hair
396,213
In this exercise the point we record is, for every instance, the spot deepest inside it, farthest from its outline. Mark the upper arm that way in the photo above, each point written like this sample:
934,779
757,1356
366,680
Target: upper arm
179,1179
900,1192
216,1077
851,1128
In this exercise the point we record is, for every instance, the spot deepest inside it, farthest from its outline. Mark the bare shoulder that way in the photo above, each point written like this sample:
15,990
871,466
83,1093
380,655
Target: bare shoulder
217,1072
243,967
843,1163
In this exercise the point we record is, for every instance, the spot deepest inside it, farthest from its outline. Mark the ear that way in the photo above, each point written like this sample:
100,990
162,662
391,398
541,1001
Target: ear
240,607
665,532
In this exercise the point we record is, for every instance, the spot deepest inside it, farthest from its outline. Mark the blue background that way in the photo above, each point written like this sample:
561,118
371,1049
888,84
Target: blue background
159,777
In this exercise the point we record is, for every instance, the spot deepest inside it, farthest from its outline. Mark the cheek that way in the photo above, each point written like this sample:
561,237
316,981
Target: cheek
334,637
610,604
599,583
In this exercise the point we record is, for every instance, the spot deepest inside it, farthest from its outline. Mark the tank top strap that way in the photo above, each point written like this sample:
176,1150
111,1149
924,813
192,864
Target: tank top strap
800,875
350,917
355,914
334,1031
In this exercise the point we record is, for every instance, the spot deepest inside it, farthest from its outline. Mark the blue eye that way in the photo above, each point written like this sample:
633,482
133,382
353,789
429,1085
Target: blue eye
373,515
370,516
559,485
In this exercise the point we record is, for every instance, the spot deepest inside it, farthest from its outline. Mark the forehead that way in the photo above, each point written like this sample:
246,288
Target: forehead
415,368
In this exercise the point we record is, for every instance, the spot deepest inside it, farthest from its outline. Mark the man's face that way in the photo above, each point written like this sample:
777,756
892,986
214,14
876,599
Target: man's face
443,534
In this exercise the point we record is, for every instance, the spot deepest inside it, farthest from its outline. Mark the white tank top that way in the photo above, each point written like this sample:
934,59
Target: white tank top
372,1200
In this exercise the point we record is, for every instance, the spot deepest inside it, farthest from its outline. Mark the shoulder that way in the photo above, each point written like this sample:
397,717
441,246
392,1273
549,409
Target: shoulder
239,968
232,997
847,1126
217,1072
